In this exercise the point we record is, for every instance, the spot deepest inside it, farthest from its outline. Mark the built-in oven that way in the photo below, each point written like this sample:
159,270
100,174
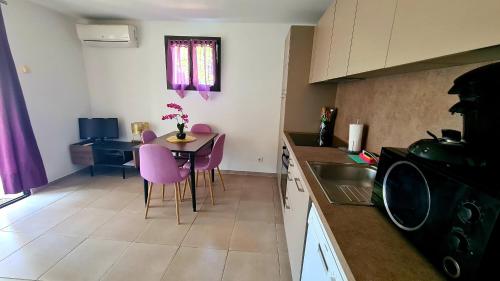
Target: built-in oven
285,161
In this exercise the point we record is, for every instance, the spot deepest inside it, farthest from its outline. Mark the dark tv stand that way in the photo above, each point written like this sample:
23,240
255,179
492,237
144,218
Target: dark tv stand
105,153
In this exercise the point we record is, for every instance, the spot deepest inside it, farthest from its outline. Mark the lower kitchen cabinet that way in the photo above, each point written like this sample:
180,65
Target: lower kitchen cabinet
295,218
320,261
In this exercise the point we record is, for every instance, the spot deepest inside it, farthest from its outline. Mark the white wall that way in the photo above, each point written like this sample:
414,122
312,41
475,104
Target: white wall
56,90
130,84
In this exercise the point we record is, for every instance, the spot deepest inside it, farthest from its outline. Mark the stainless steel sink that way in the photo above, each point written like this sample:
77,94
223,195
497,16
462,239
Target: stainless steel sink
350,184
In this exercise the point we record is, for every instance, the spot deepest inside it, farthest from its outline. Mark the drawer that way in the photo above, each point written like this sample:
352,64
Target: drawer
81,154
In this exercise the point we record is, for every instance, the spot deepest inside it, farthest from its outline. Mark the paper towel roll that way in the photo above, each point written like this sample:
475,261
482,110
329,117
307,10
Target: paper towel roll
355,137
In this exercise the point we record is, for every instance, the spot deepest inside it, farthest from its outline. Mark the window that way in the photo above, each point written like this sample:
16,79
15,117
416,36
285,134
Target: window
193,63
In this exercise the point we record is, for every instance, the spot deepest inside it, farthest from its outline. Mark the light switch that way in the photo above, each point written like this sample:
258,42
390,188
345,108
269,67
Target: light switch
25,69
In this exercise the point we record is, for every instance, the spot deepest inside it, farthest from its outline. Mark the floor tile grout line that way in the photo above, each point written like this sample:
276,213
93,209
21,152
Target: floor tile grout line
15,279
170,262
230,239
64,256
88,235
62,234
237,199
36,211
225,264
24,245
117,259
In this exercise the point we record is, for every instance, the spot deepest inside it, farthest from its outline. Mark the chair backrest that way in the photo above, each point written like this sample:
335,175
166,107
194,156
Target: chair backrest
201,129
148,136
158,165
217,152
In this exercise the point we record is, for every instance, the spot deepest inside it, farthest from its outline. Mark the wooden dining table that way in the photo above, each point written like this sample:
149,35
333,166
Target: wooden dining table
188,148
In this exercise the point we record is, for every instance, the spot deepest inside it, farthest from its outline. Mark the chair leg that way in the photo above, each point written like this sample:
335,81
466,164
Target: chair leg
149,200
204,180
163,193
210,188
221,180
177,196
184,191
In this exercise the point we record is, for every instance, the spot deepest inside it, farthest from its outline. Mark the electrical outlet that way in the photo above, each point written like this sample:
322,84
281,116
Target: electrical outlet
260,159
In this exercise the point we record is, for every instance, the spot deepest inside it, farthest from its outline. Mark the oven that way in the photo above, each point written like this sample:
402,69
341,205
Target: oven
285,161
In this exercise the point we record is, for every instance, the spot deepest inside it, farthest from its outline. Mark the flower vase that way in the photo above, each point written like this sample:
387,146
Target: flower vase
181,135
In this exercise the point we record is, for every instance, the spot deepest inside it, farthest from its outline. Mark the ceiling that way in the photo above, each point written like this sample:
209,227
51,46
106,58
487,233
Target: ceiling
284,11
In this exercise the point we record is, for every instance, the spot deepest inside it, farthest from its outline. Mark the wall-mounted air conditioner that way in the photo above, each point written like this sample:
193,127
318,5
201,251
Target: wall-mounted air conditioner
111,36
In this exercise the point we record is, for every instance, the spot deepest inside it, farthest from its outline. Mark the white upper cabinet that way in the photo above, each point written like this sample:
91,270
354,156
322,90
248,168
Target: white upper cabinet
426,29
321,46
371,35
343,25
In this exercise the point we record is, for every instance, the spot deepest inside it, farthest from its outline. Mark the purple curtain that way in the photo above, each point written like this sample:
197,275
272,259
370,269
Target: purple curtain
204,66
21,166
178,71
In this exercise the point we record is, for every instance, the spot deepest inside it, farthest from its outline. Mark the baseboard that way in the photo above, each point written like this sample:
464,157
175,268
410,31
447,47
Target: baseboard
248,173
85,171
61,179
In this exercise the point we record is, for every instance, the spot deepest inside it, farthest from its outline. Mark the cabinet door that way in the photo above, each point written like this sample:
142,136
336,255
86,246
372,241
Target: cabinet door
295,220
320,261
428,29
372,31
315,267
321,46
343,25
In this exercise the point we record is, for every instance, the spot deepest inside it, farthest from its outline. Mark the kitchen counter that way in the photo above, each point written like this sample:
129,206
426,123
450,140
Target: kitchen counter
371,246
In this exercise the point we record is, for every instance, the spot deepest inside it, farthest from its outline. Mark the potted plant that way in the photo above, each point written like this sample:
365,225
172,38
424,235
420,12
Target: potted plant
180,117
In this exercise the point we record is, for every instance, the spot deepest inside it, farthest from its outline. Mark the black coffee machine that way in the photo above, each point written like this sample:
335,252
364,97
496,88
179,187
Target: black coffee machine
479,94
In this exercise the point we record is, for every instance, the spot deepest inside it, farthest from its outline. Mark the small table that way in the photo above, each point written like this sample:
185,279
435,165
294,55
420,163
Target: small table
189,148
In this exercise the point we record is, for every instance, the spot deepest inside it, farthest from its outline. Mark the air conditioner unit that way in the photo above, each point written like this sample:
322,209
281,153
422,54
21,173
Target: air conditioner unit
111,36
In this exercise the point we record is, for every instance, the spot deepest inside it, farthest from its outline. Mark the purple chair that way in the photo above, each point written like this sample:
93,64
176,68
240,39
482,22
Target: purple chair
158,166
209,163
202,129
149,136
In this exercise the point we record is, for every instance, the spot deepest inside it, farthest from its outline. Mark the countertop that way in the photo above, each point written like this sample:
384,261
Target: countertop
372,247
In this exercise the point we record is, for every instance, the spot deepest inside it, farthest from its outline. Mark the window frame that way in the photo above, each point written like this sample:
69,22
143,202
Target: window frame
217,85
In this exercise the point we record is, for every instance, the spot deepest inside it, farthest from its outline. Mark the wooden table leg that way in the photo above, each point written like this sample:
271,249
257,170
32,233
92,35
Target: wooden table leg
193,181
145,192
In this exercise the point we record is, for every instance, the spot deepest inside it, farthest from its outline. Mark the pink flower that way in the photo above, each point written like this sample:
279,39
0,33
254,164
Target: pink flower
168,116
174,106
184,118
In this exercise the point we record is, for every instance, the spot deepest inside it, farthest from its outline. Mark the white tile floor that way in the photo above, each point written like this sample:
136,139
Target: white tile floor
87,228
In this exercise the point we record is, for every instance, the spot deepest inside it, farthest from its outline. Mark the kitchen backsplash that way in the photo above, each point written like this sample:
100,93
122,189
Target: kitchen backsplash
399,109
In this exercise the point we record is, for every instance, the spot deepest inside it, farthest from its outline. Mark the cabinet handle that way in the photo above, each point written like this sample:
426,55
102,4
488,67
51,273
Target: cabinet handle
296,183
322,257
286,203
